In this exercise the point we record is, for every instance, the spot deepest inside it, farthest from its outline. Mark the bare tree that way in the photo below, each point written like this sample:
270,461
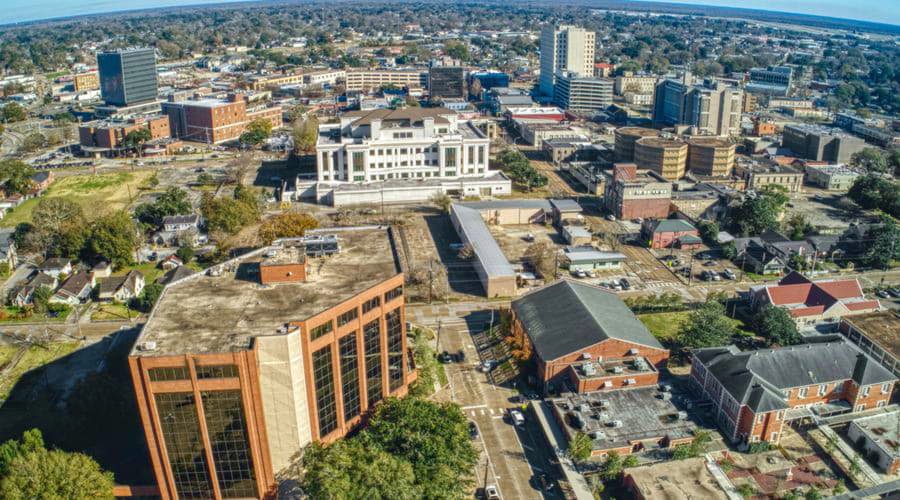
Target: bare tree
543,257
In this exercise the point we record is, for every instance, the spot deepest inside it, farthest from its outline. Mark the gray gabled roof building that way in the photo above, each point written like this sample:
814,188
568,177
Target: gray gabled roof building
568,316
760,379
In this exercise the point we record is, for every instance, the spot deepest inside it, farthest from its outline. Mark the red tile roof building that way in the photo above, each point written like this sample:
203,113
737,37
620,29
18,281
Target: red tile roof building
813,302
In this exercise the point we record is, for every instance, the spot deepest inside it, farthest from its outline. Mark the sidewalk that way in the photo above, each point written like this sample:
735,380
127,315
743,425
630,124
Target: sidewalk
557,439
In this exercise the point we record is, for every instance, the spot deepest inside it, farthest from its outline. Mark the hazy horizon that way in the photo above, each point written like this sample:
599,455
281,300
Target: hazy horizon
887,11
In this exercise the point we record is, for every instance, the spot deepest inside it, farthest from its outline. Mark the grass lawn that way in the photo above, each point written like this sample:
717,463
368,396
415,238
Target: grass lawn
95,193
665,326
11,313
114,312
149,269
35,357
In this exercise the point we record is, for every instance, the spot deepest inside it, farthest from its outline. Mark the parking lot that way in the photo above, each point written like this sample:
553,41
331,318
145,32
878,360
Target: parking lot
511,456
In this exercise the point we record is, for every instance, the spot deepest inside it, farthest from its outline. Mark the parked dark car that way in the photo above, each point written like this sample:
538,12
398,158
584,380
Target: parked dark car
473,429
460,356
444,357
625,284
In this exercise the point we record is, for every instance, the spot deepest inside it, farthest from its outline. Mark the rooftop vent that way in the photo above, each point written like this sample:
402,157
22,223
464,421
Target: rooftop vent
149,345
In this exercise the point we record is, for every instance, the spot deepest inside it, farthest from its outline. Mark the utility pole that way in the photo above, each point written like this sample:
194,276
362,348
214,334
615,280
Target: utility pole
437,343
430,279
691,269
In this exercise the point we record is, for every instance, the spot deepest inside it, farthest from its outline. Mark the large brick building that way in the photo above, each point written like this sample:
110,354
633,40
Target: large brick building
755,392
110,134
814,302
240,367
584,338
630,193
215,121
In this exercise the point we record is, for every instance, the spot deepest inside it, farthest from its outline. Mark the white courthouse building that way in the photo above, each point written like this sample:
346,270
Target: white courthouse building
403,155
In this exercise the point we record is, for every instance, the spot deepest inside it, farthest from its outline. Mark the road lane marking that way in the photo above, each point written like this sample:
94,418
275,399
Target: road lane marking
474,406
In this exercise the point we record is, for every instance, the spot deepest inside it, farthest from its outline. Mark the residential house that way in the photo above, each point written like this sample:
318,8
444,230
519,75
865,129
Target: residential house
584,338
669,233
177,274
8,248
814,302
76,289
55,266
24,294
103,269
176,226
770,252
171,262
42,180
121,288
755,392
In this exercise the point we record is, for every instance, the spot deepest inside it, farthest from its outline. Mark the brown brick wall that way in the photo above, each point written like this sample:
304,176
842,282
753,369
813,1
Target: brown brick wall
666,240
618,382
555,369
644,208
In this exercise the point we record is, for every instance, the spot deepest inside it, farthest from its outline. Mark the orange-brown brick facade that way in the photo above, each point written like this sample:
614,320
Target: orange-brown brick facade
740,423
112,137
203,414
557,371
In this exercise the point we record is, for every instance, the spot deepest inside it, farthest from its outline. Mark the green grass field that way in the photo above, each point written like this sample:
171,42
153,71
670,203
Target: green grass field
35,357
95,193
113,312
665,326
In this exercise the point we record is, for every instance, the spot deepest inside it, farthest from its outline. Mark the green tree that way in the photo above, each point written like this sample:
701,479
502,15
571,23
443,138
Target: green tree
612,467
149,295
305,134
185,253
17,175
350,469
112,238
229,215
433,437
759,213
31,441
33,142
442,201
286,225
707,326
135,139
885,244
797,227
173,201
776,325
580,447
870,191
871,159
746,490
729,250
28,470
13,112
709,231
59,228
457,50
55,474
257,132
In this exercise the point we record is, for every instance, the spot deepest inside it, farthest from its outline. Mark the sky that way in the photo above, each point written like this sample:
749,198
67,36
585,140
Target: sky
879,11
883,11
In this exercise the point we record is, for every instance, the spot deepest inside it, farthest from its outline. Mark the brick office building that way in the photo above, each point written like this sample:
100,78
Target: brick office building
214,121
110,134
630,193
239,368
585,338
755,392
670,233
